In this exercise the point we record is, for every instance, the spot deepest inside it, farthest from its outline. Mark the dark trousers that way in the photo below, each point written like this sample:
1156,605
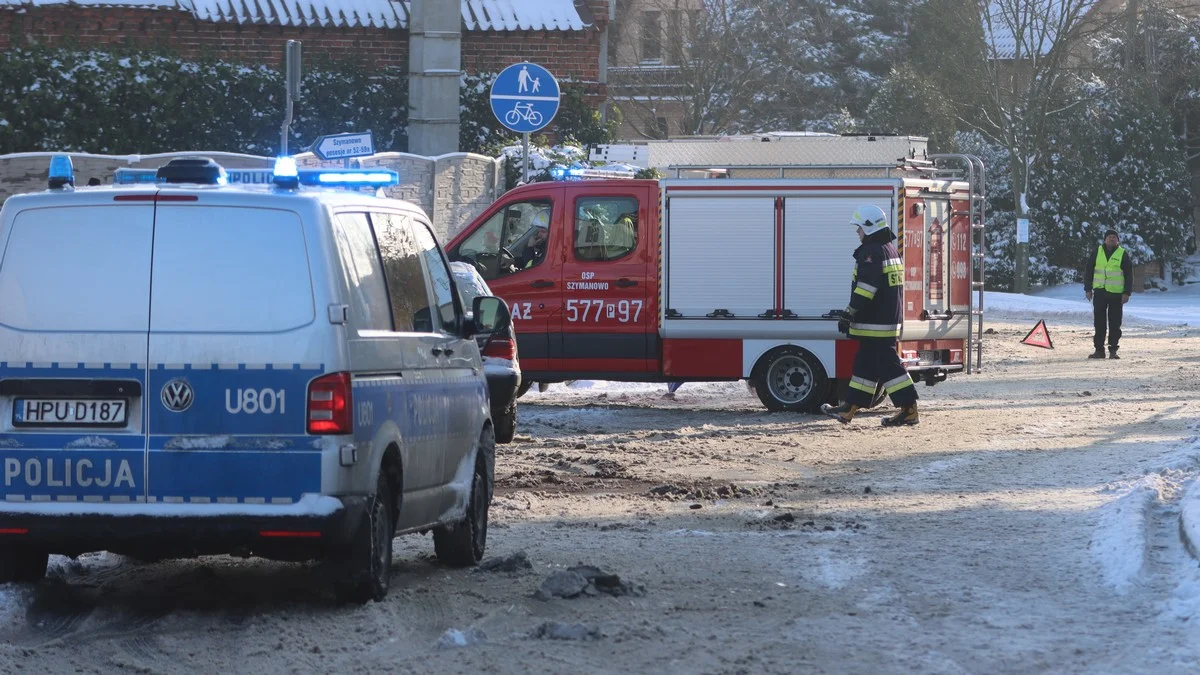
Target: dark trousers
1107,310
878,363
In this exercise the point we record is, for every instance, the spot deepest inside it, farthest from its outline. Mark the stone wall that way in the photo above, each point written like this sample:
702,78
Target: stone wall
452,189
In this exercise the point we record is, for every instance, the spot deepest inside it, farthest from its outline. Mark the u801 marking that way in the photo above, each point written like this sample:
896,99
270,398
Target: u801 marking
255,401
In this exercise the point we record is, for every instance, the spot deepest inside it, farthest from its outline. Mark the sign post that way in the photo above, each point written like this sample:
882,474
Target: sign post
291,59
344,146
524,98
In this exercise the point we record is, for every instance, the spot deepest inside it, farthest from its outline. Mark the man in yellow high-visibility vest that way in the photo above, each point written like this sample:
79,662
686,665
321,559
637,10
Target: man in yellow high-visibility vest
1107,282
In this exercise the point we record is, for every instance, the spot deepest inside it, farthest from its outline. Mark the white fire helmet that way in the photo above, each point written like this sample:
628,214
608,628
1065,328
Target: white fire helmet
870,218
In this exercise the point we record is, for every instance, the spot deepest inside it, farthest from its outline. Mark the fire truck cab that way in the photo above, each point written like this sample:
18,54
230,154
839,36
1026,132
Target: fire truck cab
708,279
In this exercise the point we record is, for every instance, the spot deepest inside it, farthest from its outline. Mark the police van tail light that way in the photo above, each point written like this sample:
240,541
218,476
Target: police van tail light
329,405
501,348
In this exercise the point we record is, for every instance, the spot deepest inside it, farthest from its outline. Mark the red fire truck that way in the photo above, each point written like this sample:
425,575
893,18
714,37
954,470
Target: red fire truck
708,279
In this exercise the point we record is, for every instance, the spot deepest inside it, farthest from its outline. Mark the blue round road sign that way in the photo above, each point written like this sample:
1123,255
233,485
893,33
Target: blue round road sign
525,97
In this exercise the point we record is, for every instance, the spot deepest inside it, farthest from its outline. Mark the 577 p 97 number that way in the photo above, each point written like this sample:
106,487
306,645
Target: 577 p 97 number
623,311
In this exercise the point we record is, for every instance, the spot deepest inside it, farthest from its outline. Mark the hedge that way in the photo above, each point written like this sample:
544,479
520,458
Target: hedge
139,102
143,102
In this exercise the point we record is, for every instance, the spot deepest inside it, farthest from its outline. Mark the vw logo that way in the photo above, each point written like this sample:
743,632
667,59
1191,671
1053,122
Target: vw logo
177,395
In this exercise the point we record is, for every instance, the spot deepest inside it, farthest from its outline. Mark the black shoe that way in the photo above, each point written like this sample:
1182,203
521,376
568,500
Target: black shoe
1113,355
1098,354
906,417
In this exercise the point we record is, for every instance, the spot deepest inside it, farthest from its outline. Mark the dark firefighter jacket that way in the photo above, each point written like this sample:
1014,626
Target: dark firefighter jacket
878,288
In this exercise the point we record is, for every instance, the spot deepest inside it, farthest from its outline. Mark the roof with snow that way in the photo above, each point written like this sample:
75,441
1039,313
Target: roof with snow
1032,25
478,15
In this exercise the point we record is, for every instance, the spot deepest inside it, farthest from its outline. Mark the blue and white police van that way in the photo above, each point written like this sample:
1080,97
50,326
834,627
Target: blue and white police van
189,367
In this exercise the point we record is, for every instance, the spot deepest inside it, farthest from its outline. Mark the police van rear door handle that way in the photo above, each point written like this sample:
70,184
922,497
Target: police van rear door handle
626,283
542,283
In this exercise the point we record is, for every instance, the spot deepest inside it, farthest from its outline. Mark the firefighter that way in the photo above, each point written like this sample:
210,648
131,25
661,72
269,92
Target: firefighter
535,248
874,318
1106,283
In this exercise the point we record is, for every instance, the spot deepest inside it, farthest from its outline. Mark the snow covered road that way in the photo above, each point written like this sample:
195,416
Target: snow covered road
1030,523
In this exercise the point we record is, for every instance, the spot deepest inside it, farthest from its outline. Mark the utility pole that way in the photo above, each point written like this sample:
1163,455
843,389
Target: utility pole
1021,264
434,69
291,64
604,47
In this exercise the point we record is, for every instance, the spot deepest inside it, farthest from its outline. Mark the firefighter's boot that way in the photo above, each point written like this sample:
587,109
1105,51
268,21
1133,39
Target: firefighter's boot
1098,354
843,413
906,417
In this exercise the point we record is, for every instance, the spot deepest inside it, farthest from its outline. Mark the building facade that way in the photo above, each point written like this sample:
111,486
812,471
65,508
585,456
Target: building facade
648,66
565,36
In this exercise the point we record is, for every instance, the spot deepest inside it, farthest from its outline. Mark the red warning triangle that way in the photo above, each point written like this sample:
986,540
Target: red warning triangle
1039,336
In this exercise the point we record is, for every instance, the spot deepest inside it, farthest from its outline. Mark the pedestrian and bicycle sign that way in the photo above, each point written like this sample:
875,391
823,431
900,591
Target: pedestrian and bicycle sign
525,97
344,146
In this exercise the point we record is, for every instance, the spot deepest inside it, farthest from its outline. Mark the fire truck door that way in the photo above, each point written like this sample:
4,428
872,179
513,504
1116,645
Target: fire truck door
607,315
516,251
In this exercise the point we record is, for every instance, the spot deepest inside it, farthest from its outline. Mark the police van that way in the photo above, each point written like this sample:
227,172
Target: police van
189,367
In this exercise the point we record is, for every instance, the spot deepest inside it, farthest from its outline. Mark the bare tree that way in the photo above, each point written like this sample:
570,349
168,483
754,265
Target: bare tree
682,62
1032,50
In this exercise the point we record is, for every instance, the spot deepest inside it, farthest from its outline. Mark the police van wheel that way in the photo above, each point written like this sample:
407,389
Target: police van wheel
462,544
22,566
791,379
506,424
367,567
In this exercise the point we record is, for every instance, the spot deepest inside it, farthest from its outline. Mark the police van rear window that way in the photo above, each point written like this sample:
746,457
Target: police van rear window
223,269
78,269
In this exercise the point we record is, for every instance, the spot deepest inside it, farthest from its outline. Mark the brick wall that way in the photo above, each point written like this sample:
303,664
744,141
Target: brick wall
568,54
60,25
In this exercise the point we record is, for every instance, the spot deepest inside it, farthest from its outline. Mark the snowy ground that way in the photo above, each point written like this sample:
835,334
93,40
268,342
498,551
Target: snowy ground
1179,306
1030,523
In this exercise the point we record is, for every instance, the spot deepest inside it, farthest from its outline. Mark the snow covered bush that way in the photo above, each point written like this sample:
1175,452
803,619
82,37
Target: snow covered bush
144,102
1116,163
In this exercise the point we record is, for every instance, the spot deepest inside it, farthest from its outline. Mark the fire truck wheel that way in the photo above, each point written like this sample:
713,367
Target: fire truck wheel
790,378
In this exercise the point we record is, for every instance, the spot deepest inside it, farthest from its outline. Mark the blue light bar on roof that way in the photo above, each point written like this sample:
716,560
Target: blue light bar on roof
134,176
62,172
350,177
128,176
579,172
285,167
285,173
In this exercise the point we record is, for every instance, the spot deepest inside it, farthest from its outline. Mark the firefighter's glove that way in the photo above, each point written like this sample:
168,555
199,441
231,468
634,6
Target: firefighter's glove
844,325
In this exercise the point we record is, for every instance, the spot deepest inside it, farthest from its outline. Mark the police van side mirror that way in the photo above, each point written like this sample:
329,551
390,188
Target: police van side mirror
490,315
